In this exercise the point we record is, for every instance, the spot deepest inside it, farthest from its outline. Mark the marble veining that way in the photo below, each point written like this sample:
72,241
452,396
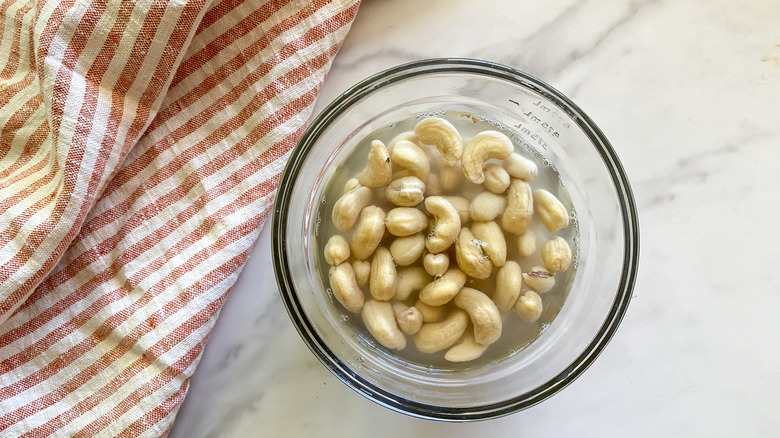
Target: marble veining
689,95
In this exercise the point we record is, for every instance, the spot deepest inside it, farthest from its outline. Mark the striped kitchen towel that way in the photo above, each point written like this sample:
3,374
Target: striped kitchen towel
141,142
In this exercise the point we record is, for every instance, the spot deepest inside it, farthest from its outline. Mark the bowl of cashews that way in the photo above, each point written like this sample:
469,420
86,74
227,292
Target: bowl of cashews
455,239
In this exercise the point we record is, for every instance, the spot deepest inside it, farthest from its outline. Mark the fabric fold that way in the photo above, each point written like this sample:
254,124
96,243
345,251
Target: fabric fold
142,143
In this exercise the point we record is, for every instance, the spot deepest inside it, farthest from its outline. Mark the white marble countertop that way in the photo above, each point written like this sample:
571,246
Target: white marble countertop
688,92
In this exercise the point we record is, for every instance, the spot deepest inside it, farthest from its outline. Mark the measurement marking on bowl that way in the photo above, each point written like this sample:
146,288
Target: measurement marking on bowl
547,109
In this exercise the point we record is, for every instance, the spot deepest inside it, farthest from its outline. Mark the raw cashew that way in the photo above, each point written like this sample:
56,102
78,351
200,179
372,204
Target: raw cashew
436,264
379,318
450,178
484,146
407,191
496,178
362,270
443,135
345,288
410,279
444,288
405,221
349,206
465,350
556,254
351,183
520,167
409,156
509,281
526,244
495,243
378,170
368,232
436,336
471,256
409,319
551,211
486,206
383,281
539,279
519,208
336,250
431,313
447,224
529,306
406,250
483,313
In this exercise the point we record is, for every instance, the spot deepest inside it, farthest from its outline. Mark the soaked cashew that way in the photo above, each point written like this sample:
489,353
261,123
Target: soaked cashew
351,183
462,205
407,250
383,281
368,232
437,336
406,136
349,206
484,146
444,288
495,243
519,208
529,306
539,279
362,270
483,313
336,250
410,279
379,318
450,178
550,210
496,178
509,281
378,170
405,221
431,313
446,226
402,173
470,255
409,156
433,186
526,244
345,288
486,206
556,254
409,319
436,264
434,157
520,167
407,191
443,135
465,350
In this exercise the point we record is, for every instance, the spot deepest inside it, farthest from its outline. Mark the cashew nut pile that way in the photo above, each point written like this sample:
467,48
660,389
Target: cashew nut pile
418,249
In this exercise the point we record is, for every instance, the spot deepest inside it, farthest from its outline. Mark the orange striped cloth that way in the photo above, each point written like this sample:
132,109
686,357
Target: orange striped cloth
141,145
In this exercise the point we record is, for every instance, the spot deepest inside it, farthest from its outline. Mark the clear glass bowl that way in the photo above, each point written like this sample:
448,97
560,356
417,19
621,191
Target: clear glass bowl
608,242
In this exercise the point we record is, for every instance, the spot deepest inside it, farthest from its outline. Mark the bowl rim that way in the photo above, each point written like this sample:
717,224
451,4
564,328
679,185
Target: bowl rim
382,396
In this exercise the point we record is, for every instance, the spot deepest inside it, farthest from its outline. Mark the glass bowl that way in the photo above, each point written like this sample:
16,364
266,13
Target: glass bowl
546,123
